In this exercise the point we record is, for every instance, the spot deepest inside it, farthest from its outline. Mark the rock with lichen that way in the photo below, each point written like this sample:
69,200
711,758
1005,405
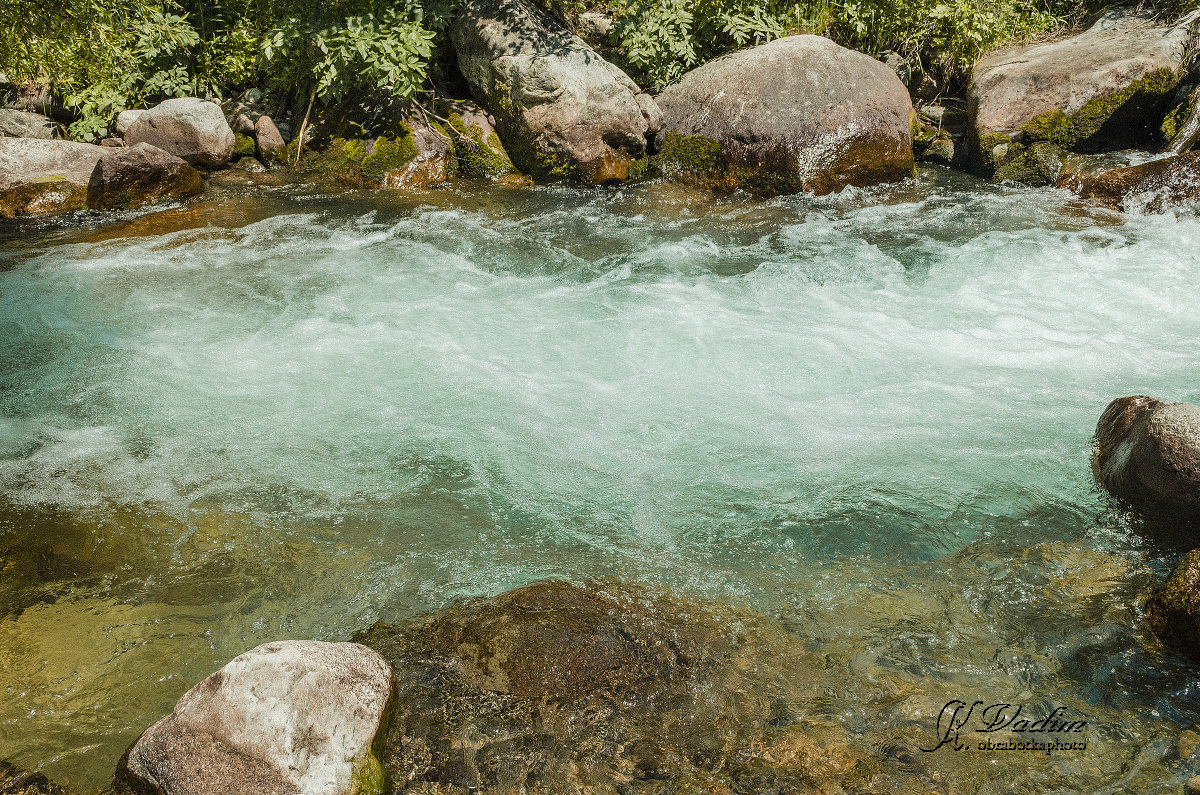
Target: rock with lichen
285,717
561,110
1106,88
1147,452
798,114
134,176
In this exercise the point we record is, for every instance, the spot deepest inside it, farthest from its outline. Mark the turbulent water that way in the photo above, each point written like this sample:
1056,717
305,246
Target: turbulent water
289,415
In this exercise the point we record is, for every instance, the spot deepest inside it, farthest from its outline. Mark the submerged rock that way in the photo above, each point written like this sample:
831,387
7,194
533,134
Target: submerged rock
1105,88
45,177
1150,186
187,127
798,114
557,687
286,717
561,110
1147,452
17,781
25,124
137,175
1173,613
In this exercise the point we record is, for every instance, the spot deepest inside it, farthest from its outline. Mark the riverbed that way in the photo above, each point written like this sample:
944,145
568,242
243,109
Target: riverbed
287,413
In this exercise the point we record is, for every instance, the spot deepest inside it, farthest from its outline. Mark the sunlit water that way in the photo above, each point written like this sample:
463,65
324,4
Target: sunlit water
288,415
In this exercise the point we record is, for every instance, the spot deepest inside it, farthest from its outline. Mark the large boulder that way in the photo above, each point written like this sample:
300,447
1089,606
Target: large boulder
1174,612
1148,187
285,717
1105,88
191,128
1147,452
25,124
561,110
797,114
125,120
141,174
40,177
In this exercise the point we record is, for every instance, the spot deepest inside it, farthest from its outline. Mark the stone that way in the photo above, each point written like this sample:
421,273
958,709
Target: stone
39,177
241,124
268,142
137,175
559,687
1037,166
476,145
432,162
286,717
1173,612
798,114
191,128
561,110
1148,187
17,781
1106,88
1147,452
112,142
1192,787
403,151
25,124
941,151
125,120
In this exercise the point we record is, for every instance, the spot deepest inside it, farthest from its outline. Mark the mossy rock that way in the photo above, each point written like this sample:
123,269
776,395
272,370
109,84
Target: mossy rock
940,150
357,162
243,146
1111,121
478,154
1037,166
1174,612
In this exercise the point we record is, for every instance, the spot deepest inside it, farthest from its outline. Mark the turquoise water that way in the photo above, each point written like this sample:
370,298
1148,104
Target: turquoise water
294,419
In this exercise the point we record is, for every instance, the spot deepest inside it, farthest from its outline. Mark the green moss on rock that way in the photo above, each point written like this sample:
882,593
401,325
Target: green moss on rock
243,146
477,156
1083,128
390,153
1037,166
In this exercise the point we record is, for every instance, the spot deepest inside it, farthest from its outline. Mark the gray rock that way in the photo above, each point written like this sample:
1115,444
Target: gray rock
561,110
125,120
137,175
191,128
1107,87
24,124
799,113
595,26
112,142
268,142
1147,452
285,717
40,177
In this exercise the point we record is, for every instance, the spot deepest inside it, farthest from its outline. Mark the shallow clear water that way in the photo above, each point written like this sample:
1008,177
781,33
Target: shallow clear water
288,415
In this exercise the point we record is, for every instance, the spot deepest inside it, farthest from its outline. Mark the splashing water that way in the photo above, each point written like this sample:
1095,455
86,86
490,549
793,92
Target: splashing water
866,415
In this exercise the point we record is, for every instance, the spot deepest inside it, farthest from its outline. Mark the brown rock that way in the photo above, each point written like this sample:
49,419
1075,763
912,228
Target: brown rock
138,175
267,140
1174,612
1150,186
16,781
1147,452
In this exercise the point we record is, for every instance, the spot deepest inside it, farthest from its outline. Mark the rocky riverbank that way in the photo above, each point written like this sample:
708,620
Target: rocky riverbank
797,114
